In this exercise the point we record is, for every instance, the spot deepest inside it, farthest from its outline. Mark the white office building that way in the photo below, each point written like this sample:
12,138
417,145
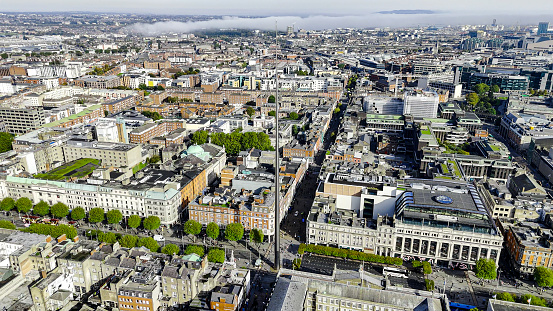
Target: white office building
379,104
423,104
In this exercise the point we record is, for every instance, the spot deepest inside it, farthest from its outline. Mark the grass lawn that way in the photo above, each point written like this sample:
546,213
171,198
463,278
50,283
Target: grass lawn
78,168
425,131
456,171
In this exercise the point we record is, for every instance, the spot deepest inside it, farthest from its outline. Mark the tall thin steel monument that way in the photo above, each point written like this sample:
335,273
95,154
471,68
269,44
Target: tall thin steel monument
277,164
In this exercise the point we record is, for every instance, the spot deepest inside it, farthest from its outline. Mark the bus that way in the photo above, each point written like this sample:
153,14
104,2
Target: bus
395,272
460,307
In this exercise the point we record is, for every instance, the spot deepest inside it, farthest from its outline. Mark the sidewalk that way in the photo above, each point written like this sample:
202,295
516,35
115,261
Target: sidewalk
505,285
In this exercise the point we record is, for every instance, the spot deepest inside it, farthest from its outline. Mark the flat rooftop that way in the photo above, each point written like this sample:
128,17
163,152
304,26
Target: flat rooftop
92,144
462,201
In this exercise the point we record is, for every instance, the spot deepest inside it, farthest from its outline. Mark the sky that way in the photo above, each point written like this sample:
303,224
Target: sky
280,7
304,14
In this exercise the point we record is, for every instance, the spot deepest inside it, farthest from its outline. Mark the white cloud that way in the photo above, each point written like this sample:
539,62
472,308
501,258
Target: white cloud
327,22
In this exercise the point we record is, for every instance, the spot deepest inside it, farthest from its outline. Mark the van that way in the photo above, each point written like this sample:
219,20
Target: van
159,238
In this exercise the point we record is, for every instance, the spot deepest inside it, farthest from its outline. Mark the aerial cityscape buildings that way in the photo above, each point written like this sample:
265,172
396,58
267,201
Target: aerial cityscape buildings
223,168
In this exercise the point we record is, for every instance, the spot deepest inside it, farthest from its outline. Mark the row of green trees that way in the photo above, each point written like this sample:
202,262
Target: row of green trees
525,299
174,100
352,82
426,266
152,115
45,229
347,253
60,210
130,241
235,141
52,230
233,232
292,115
24,205
144,87
538,92
214,254
190,71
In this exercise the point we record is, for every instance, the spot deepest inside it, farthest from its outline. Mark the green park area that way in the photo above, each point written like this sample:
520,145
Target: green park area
74,169
425,131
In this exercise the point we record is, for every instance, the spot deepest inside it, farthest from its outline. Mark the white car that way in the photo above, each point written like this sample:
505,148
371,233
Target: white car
159,238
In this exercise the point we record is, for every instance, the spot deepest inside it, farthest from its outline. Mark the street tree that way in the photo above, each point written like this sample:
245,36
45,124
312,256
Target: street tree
543,276
495,88
194,249
216,255
504,296
151,223
192,227
272,113
7,204
134,221
59,210
6,140
41,208
23,205
481,88
472,99
155,158
128,241
533,300
96,215
6,224
234,232
200,137
78,213
256,236
426,267
294,115
250,111
114,216
110,237
212,230
149,243
249,140
170,249
271,99
486,269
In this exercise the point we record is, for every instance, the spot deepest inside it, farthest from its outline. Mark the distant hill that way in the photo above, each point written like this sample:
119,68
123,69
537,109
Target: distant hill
407,12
